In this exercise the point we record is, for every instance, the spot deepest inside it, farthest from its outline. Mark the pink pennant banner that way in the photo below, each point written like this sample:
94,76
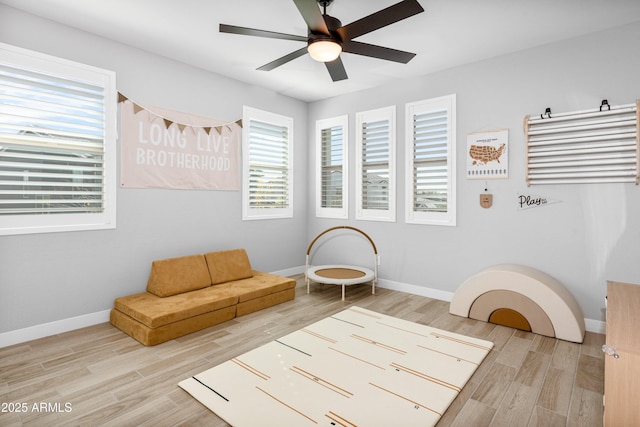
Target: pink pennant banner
168,149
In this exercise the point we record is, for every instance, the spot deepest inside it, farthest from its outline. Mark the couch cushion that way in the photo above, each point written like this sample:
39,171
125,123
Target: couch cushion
154,311
270,300
173,276
258,286
225,266
153,336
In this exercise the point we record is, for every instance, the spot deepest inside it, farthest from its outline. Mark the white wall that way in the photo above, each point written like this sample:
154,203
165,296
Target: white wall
590,237
51,277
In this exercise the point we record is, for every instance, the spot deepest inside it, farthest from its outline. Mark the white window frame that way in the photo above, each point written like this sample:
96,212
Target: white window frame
63,222
321,125
258,213
445,104
371,116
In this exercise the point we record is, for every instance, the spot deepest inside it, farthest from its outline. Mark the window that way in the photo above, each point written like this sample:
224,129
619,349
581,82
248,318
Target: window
375,165
267,165
430,161
331,172
57,144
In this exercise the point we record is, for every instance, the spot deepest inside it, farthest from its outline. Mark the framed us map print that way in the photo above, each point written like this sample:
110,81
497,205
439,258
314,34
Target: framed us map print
488,154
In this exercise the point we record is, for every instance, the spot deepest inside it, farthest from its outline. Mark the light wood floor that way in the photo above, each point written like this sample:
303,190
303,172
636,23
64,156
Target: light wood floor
104,377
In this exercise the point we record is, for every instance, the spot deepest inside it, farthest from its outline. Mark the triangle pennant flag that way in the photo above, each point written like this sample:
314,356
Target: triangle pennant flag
137,108
219,130
182,127
239,122
121,97
167,123
207,130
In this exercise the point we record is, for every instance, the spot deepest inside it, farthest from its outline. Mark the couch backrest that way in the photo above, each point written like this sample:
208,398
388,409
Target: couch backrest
225,266
177,275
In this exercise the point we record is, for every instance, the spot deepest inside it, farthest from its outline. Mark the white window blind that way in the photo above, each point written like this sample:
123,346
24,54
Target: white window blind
268,165
591,146
430,154
332,167
57,144
331,176
430,165
376,164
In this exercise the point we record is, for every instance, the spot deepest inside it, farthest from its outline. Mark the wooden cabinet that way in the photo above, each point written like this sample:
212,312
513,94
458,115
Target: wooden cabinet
622,361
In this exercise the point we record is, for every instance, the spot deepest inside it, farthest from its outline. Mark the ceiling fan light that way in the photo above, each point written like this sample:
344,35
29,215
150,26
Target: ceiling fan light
324,50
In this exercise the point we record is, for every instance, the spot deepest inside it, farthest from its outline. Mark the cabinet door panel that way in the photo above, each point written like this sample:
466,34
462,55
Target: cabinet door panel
622,374
621,387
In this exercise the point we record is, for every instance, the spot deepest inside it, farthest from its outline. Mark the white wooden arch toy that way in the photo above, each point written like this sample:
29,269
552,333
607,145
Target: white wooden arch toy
343,275
520,297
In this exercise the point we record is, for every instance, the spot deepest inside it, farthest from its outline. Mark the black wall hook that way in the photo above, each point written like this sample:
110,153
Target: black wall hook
547,112
605,103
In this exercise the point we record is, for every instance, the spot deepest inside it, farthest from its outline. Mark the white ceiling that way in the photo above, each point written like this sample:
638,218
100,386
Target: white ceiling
449,33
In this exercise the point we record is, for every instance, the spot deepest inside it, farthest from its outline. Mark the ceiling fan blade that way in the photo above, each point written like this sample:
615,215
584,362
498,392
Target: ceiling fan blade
382,18
336,70
312,16
375,51
281,61
232,29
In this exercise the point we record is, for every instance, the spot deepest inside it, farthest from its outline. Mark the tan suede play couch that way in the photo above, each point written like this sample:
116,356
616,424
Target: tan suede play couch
194,292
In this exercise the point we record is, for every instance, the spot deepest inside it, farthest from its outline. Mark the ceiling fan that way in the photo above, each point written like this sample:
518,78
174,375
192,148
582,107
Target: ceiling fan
327,37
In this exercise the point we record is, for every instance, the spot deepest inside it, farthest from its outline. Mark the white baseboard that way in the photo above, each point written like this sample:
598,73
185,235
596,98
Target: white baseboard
591,325
52,328
66,325
597,326
416,290
290,271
